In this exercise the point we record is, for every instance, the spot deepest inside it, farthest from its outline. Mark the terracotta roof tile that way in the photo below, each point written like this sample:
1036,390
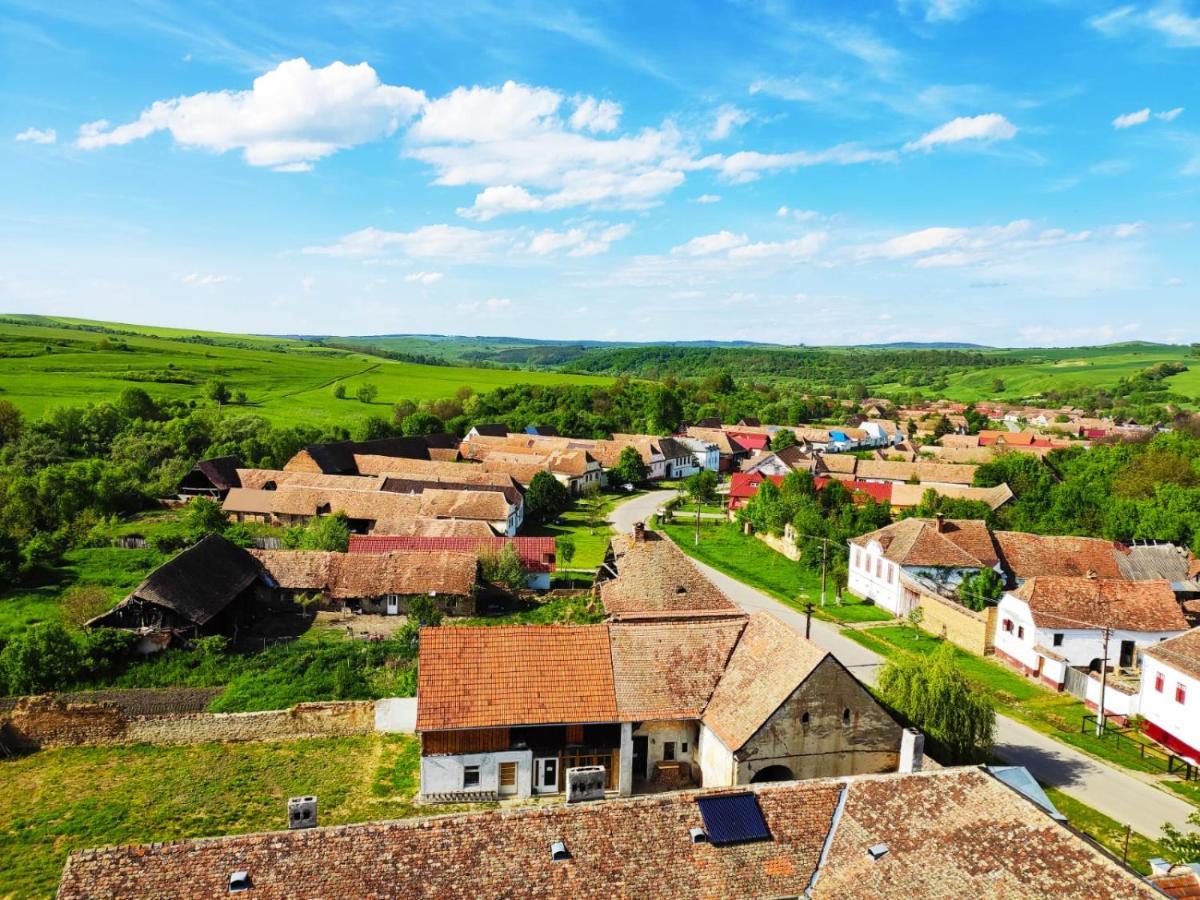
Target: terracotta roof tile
514,675
346,576
656,579
1144,606
769,662
669,671
537,554
1029,555
963,543
1181,652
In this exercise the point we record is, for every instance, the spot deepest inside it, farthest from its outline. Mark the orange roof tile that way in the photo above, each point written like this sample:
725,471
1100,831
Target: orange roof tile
1144,606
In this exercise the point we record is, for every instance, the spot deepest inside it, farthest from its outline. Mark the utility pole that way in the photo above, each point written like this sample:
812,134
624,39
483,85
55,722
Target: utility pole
824,553
808,611
1103,684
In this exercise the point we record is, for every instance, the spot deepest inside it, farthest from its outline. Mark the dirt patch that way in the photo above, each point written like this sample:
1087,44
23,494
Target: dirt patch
363,626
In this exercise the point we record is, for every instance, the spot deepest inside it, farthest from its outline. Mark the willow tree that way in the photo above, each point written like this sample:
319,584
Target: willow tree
931,691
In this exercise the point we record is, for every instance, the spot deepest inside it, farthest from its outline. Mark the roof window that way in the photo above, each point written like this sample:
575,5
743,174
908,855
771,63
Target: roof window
239,882
878,851
559,852
698,836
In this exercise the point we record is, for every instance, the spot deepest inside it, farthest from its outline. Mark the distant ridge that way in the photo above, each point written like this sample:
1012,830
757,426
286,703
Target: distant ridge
926,345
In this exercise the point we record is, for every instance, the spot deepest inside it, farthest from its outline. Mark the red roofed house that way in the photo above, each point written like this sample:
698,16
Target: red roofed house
537,554
1051,624
744,485
1170,697
510,710
749,439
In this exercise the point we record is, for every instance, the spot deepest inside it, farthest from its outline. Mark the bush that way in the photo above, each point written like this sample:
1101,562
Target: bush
320,533
82,603
46,657
546,498
503,569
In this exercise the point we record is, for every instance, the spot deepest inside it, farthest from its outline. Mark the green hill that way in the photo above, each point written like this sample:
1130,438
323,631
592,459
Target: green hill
47,362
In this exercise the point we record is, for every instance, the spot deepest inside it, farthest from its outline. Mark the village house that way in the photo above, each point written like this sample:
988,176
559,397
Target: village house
959,832
906,496
213,587
537,554
421,526
1052,624
509,710
492,430
790,459
705,455
383,583
211,478
337,458
730,452
1169,701
893,564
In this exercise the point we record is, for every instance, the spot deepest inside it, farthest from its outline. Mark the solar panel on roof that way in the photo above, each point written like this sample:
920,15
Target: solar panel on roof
733,818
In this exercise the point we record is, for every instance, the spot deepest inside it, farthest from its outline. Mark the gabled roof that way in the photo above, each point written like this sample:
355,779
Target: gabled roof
337,457
656,580
506,675
491,430
221,471
960,544
198,583
1069,603
1181,652
1143,562
350,576
271,479
769,662
668,671
907,495
950,833
423,525
1027,555
537,554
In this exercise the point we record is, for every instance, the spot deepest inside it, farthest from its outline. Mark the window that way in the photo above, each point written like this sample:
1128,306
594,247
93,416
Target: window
1021,632
1058,639
854,553
508,774
683,746
1158,682
1008,626
470,776
1180,694
846,717
891,570
878,566
668,750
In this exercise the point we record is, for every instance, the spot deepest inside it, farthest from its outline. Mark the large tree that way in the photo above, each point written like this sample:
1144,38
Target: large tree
630,469
931,691
546,498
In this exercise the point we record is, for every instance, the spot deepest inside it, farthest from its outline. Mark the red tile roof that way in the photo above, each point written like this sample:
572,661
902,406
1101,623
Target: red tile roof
514,675
1143,606
962,543
749,440
537,553
1181,652
880,492
1028,555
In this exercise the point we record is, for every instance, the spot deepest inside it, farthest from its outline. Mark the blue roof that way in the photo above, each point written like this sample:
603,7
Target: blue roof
733,818
1019,779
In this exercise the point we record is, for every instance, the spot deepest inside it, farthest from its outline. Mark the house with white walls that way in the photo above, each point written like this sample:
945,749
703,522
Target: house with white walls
1051,624
1170,695
706,454
890,565
509,711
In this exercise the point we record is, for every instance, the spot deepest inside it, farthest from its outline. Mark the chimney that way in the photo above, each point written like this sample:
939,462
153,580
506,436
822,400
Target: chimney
912,751
639,532
941,523
302,812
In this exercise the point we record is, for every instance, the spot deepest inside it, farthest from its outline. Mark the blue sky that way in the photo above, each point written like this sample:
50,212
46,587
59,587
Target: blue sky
1011,174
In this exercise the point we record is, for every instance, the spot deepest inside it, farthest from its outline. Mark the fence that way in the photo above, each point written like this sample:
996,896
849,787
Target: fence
1168,762
1076,683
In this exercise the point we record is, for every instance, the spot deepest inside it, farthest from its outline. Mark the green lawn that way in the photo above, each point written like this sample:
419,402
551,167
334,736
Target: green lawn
62,800
1108,832
724,547
1058,715
43,364
591,540
577,609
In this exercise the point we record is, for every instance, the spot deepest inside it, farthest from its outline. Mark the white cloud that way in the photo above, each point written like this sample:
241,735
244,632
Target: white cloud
709,198
749,164
38,135
800,248
1169,115
710,243
1129,229
1173,281
512,142
938,10
725,120
987,128
947,247
786,89
451,242
800,215
582,241
195,279
291,117
1047,335
595,115
1128,120
424,277
1165,20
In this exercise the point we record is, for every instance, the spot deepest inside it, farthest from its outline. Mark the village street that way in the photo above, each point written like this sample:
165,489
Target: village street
1118,794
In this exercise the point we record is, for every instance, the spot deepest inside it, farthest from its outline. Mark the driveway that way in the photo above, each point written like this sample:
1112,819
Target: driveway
1116,793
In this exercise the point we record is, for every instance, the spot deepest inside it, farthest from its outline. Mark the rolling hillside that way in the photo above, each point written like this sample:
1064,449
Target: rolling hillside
49,362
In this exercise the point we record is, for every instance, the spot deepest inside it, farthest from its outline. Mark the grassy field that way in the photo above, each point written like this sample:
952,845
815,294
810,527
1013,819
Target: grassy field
724,547
43,364
62,800
591,540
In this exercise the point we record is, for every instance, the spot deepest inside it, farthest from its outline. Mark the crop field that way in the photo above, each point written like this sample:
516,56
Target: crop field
46,363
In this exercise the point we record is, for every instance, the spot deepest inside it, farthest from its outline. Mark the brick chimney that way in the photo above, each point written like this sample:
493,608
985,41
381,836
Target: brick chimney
912,751
639,532
941,523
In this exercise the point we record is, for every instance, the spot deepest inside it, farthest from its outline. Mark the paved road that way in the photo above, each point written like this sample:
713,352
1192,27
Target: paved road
1116,793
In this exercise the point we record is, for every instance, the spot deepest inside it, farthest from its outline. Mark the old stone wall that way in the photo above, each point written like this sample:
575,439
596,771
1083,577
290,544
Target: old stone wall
780,545
46,722
973,631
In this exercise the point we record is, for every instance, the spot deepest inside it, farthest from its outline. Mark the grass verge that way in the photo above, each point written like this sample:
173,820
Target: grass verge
1107,832
749,560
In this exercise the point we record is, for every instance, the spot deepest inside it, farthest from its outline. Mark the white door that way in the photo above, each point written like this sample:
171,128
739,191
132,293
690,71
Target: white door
545,775
393,605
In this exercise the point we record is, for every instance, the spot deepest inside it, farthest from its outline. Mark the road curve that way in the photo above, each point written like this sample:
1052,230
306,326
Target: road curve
1116,793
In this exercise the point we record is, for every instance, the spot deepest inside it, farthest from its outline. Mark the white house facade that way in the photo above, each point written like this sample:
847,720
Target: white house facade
1170,696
